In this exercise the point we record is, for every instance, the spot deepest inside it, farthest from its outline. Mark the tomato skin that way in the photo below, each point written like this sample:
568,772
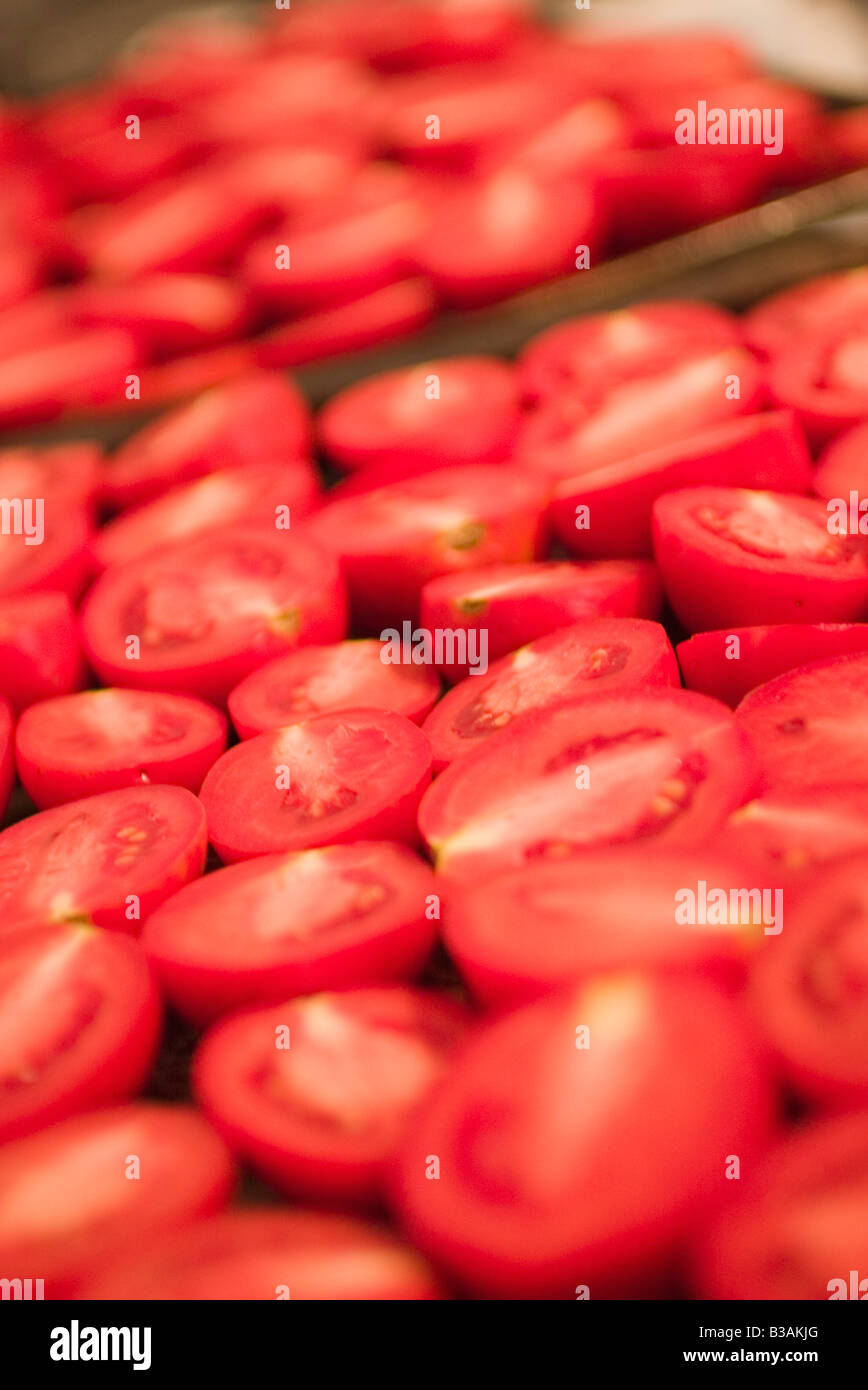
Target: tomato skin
315,680
60,865
327,1147
51,743
587,659
807,725
205,650
763,653
808,987
515,604
72,977
768,1241
664,767
766,451
746,545
40,654
185,1172
206,972
261,1252
249,813
533,1198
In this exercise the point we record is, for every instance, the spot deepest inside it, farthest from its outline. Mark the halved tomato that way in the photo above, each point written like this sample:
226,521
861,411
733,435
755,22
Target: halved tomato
165,313
808,727
394,311
199,615
456,410
261,493
536,929
843,465
514,604
607,511
825,380
315,680
81,1024
729,556
579,1138
7,759
590,658
576,433
797,828
800,313
78,370
40,654
332,778
316,1093
87,1191
667,766
107,860
393,540
730,662
282,925
270,1253
67,476
46,549
795,1228
258,416
97,740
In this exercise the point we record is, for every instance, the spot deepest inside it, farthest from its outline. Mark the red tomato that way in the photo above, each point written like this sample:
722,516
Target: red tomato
164,312
174,382
601,351
587,659
329,779
607,510
97,740
808,725
199,615
798,314
316,680
316,1093
667,766
795,1227
535,929
458,410
268,1253
729,663
107,860
288,924
7,762
843,465
257,417
825,381
562,1165
80,369
259,492
514,604
393,540
59,561
81,1023
66,476
430,32
40,653
730,556
577,433
575,142
391,312
799,827
88,1191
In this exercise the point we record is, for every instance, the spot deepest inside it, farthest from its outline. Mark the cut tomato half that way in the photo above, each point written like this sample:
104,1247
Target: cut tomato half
164,313
662,766
843,466
544,1186
67,476
258,416
546,925
44,548
458,410
199,615
799,827
332,778
607,511
290,924
91,1189
321,1114
730,556
40,654
825,381
808,726
97,740
316,680
514,604
269,1253
394,311
590,658
799,314
78,370
393,540
796,1228
729,663
7,757
81,1024
107,860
